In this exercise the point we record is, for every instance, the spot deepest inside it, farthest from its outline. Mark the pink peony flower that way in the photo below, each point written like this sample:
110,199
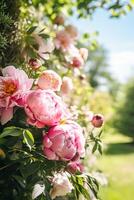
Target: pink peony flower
64,142
49,80
44,107
61,185
67,85
14,84
63,40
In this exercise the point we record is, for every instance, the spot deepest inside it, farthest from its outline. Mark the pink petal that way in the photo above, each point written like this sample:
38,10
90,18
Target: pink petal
50,154
6,115
47,142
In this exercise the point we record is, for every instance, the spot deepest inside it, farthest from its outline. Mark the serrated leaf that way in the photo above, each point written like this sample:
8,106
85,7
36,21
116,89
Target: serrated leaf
11,131
28,138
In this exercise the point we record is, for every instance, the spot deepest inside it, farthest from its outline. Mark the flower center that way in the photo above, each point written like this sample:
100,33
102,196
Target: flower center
9,88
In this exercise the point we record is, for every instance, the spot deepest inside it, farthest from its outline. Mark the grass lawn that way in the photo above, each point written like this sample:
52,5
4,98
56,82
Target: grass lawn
118,164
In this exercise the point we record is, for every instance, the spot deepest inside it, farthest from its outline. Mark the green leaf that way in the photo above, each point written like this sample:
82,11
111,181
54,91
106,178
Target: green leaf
20,180
31,29
29,169
11,131
94,147
28,138
43,35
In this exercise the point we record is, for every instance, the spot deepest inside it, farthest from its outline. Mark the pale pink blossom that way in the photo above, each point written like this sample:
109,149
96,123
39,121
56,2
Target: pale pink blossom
63,40
14,84
74,57
45,47
84,53
77,62
64,142
44,107
49,80
60,185
67,85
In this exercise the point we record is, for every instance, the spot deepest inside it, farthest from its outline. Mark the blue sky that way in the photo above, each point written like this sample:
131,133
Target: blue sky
117,36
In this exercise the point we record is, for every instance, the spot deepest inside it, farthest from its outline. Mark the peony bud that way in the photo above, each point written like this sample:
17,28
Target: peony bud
97,120
77,62
34,63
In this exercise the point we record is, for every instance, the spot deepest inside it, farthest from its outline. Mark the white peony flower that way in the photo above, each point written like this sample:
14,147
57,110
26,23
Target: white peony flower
61,185
37,190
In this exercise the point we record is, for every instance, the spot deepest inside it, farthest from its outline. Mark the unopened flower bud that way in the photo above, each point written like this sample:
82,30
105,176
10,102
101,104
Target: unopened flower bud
97,120
34,63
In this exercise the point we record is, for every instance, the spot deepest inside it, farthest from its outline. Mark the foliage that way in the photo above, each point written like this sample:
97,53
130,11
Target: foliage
124,116
39,46
9,14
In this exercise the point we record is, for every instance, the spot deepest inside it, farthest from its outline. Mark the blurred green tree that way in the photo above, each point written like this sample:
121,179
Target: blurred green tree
124,118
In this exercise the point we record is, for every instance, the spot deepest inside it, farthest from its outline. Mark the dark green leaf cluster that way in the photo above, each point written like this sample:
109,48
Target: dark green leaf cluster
9,13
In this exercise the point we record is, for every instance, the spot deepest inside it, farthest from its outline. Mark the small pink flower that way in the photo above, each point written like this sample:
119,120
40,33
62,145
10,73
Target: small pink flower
77,62
49,80
14,84
97,120
64,142
74,57
63,40
67,85
44,107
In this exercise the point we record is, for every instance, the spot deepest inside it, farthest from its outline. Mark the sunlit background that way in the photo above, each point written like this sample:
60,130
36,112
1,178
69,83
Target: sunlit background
117,36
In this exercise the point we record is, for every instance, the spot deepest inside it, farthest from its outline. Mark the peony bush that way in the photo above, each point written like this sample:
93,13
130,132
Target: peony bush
47,129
